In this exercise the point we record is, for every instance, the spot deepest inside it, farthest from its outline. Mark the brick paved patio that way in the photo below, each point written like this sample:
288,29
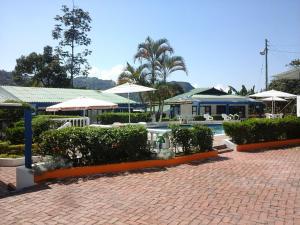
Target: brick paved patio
238,188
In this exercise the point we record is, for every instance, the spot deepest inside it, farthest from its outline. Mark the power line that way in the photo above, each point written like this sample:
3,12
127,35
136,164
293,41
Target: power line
283,51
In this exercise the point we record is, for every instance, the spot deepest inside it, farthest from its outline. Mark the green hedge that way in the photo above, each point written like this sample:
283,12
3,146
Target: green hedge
6,148
96,146
199,138
110,118
15,134
261,130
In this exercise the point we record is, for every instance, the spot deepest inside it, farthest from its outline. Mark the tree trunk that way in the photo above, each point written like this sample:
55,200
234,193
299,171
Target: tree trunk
161,110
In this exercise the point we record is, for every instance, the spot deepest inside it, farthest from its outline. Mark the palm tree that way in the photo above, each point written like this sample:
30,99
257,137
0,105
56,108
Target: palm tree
133,75
169,64
150,52
164,91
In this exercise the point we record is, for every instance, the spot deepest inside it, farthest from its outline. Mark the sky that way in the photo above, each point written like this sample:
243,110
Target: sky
219,40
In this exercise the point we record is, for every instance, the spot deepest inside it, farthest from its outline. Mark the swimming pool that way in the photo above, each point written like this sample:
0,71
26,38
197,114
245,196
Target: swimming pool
216,128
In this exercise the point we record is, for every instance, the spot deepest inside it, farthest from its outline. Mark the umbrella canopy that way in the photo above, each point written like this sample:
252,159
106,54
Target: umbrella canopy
273,93
128,88
81,103
273,99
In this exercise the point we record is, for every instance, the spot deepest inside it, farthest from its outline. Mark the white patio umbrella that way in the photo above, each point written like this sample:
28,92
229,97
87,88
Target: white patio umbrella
81,103
273,93
273,100
128,88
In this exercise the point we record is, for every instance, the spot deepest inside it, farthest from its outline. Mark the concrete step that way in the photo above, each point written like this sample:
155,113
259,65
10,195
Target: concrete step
222,149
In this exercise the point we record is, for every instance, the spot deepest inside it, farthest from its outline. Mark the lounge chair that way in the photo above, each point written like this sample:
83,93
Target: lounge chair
180,119
208,117
189,118
234,117
269,116
226,117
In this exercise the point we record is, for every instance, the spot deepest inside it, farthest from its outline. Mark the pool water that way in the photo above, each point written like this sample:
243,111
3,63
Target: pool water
216,128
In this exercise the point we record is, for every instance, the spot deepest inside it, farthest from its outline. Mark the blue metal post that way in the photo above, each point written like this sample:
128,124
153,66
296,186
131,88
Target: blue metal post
28,138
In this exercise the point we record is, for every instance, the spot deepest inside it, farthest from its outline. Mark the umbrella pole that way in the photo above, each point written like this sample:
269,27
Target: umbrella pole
128,106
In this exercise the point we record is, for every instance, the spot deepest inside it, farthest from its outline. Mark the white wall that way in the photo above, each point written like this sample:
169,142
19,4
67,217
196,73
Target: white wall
298,106
186,109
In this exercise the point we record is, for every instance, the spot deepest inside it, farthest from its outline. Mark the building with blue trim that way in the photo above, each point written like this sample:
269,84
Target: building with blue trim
211,101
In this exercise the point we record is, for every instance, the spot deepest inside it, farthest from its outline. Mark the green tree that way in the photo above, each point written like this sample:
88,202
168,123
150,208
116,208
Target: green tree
40,70
72,32
295,63
243,92
149,54
133,75
166,66
170,64
165,91
286,85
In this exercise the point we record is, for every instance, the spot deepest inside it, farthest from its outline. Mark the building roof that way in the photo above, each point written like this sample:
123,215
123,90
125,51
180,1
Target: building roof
291,74
55,95
223,98
187,95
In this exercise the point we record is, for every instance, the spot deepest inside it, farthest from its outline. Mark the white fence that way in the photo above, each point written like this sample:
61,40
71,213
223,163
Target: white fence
76,122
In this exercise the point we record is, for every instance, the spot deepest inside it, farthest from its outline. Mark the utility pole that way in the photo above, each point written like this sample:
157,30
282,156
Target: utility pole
265,53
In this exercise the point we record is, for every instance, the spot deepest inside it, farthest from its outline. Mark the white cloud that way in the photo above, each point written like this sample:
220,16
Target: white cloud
222,87
106,74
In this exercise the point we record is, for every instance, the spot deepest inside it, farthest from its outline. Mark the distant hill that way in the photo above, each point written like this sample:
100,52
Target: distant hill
93,83
186,86
6,78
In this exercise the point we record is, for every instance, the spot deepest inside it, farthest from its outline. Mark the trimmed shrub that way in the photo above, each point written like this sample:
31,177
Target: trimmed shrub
94,146
110,118
15,135
6,148
202,137
262,130
199,138
182,136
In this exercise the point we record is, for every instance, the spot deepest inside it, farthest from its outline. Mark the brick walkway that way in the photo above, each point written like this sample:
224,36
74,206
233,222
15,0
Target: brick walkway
238,188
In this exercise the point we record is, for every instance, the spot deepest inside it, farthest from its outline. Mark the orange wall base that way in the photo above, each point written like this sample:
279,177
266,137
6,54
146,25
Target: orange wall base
120,167
270,144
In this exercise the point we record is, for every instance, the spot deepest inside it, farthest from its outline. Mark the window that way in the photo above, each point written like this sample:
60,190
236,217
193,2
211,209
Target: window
194,110
207,109
240,110
221,109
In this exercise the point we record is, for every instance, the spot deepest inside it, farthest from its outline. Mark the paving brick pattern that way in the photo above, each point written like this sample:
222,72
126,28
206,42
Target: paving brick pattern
238,188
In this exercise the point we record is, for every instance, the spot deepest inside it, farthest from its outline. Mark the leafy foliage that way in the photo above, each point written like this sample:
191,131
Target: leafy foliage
7,148
15,134
71,31
260,130
243,92
40,70
94,146
110,118
286,85
13,115
295,63
198,138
